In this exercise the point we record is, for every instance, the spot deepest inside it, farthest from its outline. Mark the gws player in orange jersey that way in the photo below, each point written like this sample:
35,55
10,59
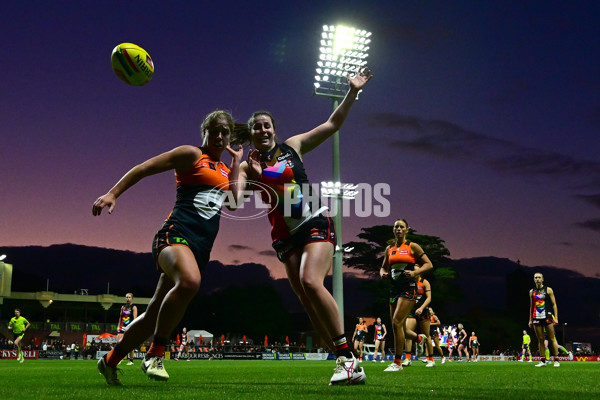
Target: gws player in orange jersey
358,338
182,246
419,317
398,265
474,346
434,323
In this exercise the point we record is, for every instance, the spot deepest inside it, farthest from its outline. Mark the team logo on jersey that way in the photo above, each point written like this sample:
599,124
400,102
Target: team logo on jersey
284,156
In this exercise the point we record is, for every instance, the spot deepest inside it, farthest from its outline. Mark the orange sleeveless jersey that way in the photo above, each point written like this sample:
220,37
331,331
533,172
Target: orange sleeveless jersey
206,171
400,254
420,287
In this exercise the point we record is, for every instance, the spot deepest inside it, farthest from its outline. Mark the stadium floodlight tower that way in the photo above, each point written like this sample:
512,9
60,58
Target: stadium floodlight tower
343,50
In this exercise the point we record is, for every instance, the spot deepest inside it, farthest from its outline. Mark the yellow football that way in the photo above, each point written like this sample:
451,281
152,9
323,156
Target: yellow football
132,64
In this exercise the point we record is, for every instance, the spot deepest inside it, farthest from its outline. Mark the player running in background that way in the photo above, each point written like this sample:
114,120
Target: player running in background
474,346
129,312
463,342
434,323
380,334
543,315
358,338
419,317
185,344
399,266
18,325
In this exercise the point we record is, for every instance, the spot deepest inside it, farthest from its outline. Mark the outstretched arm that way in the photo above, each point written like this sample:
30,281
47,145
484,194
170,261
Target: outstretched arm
305,142
181,158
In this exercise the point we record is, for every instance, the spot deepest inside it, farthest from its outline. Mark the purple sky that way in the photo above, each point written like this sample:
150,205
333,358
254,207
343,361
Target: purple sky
483,120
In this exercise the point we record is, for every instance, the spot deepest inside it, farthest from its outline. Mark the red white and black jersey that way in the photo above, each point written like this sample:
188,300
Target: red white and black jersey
126,317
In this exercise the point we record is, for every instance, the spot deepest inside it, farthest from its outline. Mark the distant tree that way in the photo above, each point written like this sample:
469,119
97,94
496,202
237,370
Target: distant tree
368,254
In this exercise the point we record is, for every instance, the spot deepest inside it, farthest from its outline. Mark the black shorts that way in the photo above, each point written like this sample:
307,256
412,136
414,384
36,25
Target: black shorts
199,240
18,335
420,318
433,331
549,320
406,289
317,229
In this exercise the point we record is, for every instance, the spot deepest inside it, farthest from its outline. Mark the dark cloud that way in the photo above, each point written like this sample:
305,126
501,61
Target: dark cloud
592,224
425,37
593,199
270,253
447,140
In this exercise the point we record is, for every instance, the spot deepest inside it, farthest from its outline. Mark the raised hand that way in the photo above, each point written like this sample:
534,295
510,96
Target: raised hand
360,79
236,154
254,168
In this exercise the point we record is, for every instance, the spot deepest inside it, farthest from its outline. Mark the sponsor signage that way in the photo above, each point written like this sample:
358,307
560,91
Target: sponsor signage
242,356
316,356
12,354
50,354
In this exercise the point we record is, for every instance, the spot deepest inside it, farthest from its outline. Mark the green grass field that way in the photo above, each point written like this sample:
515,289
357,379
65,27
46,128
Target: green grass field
219,379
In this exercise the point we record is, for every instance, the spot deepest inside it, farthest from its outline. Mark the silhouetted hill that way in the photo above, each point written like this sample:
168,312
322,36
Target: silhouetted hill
494,291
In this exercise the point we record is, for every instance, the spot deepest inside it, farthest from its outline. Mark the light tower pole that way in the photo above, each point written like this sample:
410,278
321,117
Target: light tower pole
343,50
